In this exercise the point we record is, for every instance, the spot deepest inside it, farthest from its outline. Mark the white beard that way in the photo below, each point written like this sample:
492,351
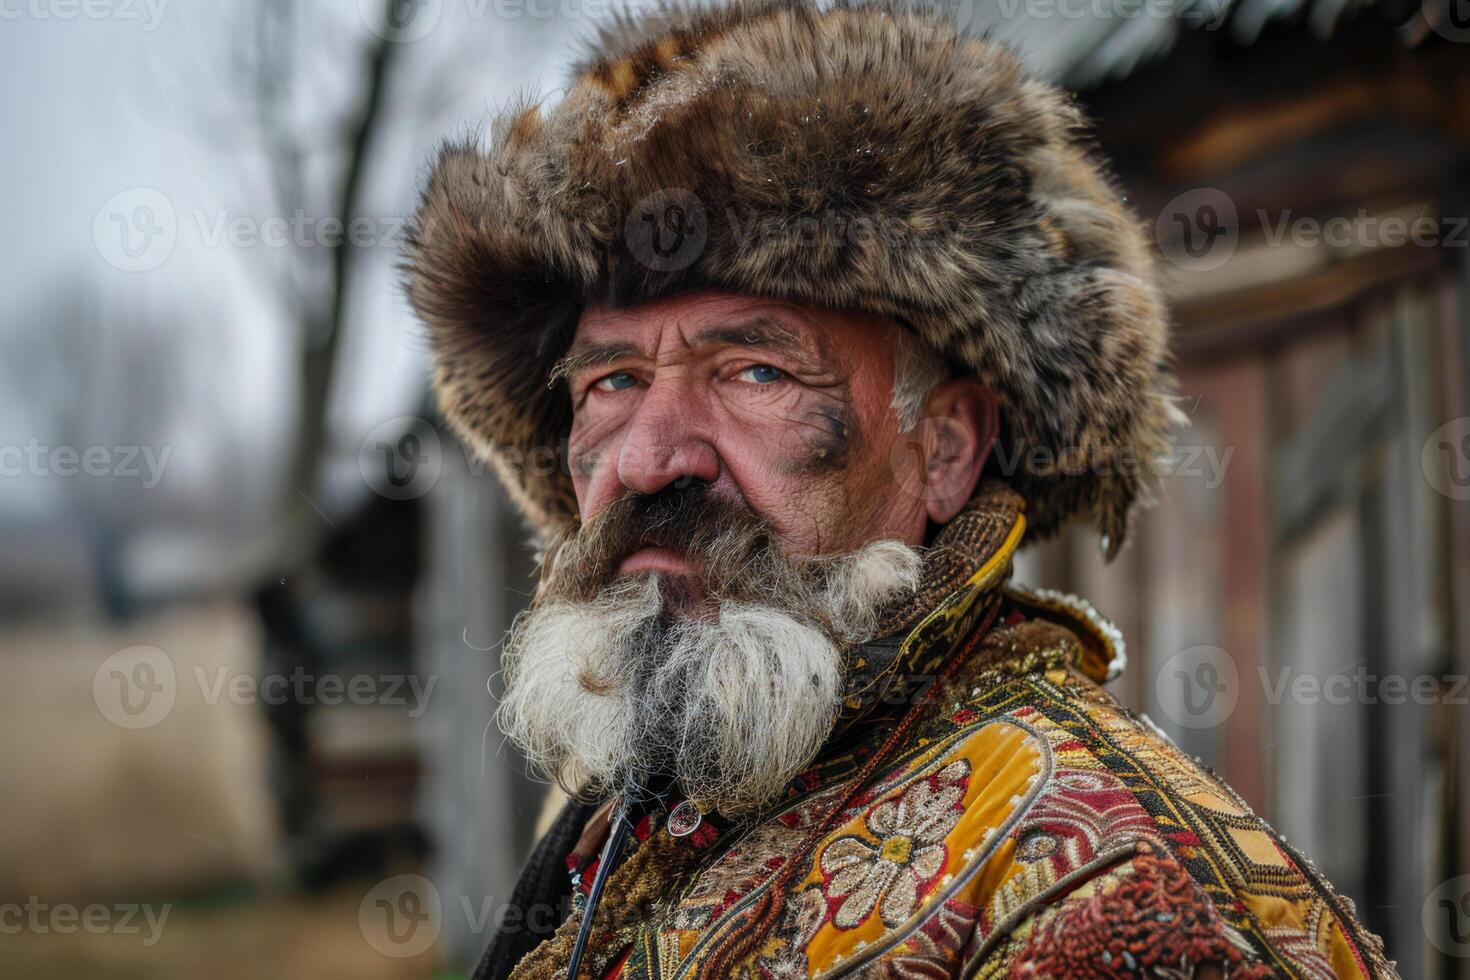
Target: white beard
734,705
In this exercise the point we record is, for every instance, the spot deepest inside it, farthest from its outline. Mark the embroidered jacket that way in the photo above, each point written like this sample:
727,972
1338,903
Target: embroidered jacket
984,809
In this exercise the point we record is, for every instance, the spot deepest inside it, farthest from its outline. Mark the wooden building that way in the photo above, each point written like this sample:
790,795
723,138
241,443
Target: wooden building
1298,603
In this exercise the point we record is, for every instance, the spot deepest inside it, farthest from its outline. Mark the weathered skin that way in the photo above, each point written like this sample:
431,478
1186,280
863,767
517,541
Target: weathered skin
787,407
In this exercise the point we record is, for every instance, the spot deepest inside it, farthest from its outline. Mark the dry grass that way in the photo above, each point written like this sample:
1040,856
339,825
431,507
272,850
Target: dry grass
282,938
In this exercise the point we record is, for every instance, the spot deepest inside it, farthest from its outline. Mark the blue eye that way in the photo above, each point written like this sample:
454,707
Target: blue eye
763,374
617,381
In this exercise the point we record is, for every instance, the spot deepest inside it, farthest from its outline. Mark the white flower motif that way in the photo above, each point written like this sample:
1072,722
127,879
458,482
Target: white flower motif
909,852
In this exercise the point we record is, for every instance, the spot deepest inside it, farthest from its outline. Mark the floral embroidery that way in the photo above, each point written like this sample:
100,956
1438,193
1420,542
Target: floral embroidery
934,949
784,955
750,862
908,854
758,854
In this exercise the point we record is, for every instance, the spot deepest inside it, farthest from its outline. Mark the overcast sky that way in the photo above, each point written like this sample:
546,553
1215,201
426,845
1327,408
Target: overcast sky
120,121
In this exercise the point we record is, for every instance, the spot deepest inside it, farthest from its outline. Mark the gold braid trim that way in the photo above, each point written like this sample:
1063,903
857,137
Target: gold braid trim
976,533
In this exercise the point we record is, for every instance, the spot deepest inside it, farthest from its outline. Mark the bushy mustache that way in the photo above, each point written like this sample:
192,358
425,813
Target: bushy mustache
732,548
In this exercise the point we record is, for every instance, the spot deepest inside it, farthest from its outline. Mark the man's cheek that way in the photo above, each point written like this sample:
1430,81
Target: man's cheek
798,432
821,442
590,448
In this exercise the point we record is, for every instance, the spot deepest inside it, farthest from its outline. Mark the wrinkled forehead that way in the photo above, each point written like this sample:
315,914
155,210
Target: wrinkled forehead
711,318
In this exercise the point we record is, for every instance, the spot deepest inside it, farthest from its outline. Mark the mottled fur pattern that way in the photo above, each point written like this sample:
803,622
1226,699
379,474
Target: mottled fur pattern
789,134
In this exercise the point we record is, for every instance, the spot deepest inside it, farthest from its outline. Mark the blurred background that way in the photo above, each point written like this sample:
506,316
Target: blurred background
253,593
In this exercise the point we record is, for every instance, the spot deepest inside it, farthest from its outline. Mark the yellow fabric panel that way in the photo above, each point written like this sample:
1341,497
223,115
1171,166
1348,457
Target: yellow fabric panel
1004,763
1259,847
1340,954
1270,911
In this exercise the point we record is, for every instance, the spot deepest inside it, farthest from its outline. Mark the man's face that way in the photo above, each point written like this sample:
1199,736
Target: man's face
749,509
784,408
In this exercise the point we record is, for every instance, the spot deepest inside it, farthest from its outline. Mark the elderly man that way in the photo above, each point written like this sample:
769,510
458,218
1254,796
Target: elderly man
786,327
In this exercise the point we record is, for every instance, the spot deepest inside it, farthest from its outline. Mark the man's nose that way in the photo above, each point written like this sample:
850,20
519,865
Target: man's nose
667,441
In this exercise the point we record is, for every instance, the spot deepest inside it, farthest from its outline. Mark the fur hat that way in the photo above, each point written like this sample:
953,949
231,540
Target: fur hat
862,156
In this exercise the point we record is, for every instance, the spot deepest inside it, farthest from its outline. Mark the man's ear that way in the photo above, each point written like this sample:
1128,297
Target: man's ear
960,422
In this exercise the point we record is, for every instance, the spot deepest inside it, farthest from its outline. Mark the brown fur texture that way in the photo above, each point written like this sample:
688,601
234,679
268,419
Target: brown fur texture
860,156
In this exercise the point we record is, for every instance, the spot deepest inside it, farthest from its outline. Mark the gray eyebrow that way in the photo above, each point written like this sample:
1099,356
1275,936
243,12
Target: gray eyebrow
587,355
758,331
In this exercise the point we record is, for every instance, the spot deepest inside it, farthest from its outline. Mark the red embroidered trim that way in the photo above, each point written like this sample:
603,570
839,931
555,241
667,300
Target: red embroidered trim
1156,918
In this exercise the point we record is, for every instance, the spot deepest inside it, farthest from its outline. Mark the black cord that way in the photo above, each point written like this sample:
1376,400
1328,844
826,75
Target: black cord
615,838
